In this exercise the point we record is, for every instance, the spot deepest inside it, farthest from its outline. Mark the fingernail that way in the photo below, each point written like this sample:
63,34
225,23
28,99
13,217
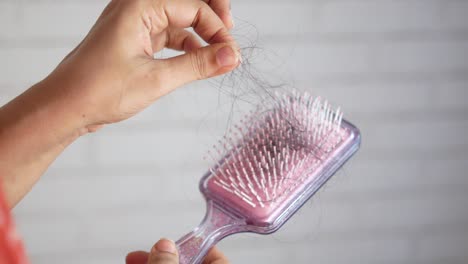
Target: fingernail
227,56
166,246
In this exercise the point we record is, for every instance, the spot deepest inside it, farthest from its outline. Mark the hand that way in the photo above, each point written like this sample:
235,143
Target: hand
112,74
109,77
164,252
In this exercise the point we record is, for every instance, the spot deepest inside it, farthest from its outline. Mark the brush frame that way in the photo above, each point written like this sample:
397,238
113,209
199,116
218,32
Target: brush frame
223,218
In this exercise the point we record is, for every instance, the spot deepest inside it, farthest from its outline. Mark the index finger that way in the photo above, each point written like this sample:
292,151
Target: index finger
196,14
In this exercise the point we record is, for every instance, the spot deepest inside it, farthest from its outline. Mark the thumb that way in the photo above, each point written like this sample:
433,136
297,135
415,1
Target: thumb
164,252
202,63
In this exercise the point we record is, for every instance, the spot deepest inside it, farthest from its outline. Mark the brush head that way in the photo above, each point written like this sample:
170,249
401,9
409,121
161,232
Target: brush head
277,158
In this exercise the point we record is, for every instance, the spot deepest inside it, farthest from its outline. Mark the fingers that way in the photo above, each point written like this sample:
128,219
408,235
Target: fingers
163,252
196,14
215,257
181,39
138,257
223,9
199,64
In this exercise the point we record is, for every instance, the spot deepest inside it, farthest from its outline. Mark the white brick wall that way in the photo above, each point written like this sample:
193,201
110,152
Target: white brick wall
398,67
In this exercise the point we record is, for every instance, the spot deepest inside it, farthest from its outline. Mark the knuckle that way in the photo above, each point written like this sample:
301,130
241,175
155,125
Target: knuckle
198,64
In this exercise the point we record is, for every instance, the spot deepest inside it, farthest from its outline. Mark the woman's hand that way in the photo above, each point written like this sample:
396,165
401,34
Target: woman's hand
113,74
165,252
109,77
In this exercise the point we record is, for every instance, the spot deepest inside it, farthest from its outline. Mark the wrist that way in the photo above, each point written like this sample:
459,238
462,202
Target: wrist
63,104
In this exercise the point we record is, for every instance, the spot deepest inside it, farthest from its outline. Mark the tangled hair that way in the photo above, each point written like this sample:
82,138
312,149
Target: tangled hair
248,84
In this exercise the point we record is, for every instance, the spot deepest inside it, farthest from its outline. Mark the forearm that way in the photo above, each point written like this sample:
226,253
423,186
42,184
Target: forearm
34,129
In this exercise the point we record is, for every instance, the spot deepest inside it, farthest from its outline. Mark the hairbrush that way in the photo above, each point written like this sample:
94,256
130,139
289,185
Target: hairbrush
267,167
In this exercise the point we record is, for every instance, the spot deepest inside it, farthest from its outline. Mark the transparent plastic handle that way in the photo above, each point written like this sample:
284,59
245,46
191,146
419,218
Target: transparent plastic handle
217,224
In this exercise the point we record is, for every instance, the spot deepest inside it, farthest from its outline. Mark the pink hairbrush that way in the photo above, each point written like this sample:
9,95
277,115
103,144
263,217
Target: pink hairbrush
270,166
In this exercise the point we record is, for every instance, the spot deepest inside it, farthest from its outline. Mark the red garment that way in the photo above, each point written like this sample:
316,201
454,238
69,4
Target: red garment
11,247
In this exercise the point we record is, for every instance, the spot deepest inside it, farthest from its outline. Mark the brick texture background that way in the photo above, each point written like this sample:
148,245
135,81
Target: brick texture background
398,67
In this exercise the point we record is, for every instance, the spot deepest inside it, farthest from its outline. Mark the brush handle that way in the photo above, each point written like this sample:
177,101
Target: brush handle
217,224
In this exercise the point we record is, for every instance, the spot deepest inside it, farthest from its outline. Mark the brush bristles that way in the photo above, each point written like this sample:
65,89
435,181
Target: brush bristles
273,149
